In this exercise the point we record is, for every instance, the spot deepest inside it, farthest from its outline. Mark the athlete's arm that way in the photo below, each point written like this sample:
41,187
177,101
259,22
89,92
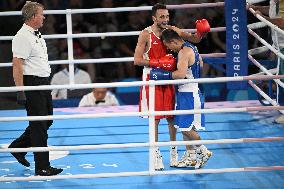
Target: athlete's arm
278,21
141,49
202,28
194,38
263,9
185,59
201,61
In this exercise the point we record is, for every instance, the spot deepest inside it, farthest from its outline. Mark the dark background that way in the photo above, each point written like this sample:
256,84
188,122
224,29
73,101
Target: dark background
110,47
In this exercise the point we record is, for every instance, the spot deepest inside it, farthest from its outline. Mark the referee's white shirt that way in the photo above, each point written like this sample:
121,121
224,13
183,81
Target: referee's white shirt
26,45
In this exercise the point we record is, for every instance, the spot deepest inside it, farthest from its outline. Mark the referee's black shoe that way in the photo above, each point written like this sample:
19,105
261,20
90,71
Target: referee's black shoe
20,157
49,171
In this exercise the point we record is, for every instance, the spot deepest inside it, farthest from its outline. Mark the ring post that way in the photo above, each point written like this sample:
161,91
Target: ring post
151,127
236,42
70,46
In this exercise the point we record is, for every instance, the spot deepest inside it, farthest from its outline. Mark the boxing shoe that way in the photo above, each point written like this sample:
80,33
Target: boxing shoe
202,156
159,165
173,156
188,159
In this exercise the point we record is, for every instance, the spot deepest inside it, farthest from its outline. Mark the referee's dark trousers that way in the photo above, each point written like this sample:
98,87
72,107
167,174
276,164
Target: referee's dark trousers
39,103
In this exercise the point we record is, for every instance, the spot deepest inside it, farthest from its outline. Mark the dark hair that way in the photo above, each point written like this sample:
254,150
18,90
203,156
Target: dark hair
101,80
168,35
156,7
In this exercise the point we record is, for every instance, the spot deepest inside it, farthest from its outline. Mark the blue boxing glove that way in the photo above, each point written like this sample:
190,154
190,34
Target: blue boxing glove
160,74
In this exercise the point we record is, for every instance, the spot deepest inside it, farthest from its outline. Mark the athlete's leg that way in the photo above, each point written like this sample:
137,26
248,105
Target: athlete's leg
159,165
173,149
157,121
202,155
172,129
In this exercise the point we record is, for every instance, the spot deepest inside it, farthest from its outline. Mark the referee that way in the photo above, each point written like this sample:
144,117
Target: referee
31,68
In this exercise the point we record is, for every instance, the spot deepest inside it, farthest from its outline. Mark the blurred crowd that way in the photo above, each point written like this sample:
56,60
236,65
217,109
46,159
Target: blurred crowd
114,47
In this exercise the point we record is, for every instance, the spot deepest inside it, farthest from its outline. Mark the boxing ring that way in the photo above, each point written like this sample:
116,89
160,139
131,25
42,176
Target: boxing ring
116,146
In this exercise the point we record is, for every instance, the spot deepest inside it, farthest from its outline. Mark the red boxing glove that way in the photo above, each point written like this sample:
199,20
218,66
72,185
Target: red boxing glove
168,62
202,27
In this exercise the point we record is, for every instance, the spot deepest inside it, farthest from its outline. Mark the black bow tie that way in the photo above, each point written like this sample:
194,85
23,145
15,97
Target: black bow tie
100,101
38,34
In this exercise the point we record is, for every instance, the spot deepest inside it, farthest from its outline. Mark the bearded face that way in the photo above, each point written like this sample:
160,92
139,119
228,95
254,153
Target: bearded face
162,17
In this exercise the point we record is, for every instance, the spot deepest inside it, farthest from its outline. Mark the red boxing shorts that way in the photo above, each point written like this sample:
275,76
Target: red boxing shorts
164,99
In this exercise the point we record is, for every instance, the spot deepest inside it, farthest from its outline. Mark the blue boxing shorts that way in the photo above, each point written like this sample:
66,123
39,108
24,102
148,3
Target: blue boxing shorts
189,101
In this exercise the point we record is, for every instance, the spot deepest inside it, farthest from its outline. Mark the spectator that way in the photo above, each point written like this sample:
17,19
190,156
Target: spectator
106,22
55,4
99,97
127,45
62,77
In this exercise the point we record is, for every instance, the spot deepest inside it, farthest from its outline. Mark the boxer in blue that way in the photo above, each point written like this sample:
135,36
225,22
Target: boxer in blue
188,96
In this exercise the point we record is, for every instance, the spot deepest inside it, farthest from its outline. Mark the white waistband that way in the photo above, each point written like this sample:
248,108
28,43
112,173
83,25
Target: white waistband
189,87
146,72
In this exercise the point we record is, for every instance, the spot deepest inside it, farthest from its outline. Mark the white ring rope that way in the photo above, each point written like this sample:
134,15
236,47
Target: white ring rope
272,71
264,95
262,68
256,25
150,113
134,145
277,52
258,50
143,173
105,34
255,1
118,9
274,27
99,10
139,83
274,50
146,113
108,60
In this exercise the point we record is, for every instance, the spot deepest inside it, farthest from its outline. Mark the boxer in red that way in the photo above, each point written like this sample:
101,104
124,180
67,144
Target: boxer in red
151,53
